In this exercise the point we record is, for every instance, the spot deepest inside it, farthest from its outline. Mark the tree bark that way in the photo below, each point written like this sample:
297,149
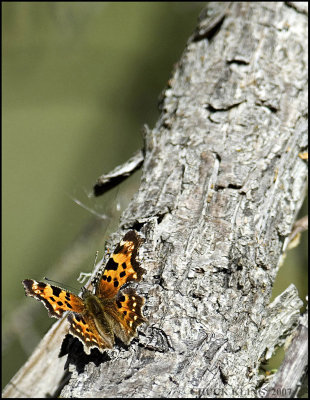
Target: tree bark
221,187
294,367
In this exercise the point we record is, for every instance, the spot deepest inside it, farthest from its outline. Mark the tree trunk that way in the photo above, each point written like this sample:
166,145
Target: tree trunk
222,184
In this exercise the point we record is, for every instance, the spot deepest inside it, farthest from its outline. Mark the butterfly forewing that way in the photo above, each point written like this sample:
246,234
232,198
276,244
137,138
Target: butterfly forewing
55,299
122,267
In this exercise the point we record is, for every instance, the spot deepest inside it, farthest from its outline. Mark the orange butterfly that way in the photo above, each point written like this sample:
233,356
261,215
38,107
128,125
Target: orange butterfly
96,317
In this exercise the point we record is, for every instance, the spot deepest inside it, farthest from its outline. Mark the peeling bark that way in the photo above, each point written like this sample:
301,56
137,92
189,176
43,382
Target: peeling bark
222,184
294,367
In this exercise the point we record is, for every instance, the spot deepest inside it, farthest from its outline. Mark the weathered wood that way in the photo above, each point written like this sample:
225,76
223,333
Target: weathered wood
287,380
107,181
43,371
221,186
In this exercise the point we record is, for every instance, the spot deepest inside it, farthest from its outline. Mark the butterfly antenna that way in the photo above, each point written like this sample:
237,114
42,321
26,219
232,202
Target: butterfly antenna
96,256
58,283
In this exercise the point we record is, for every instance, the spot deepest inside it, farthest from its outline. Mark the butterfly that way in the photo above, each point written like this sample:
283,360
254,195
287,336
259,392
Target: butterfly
96,318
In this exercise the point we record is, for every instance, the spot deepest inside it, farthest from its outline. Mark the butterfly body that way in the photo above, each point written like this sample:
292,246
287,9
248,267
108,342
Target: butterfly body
95,318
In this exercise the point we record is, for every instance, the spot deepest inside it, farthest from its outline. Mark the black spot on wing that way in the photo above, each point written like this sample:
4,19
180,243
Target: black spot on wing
41,285
68,305
56,291
111,265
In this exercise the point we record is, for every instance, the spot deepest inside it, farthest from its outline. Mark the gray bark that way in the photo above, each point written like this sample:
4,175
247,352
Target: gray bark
294,367
222,184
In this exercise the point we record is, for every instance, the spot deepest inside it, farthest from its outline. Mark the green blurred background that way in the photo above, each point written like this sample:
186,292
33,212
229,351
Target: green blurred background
79,81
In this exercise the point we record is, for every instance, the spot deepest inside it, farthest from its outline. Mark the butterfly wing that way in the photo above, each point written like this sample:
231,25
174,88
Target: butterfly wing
56,300
122,267
85,329
126,314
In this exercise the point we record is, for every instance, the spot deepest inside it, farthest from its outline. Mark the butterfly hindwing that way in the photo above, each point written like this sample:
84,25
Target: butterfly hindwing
84,328
129,314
